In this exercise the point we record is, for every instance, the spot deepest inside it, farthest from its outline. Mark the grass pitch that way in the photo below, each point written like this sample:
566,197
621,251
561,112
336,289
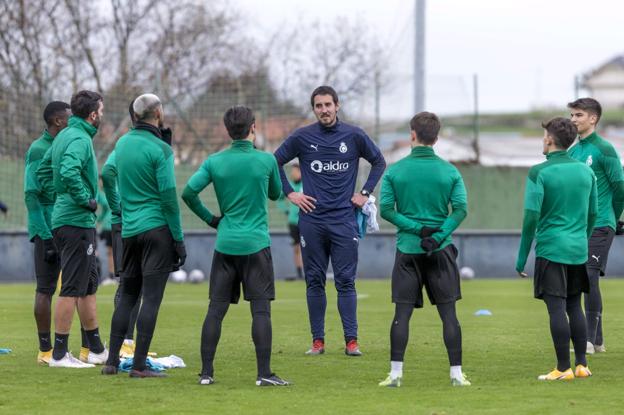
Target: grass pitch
503,354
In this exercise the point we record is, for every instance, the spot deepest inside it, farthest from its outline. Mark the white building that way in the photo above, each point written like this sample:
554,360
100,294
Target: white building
606,83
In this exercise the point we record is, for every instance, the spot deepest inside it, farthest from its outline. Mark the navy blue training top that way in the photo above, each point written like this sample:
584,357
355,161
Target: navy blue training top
329,158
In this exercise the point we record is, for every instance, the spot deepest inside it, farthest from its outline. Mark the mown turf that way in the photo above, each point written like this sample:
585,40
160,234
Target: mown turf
503,355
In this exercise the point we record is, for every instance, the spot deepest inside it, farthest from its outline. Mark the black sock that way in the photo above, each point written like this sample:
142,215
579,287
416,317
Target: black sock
399,331
593,304
211,332
451,331
300,273
95,343
262,335
153,292
559,329
578,328
60,346
45,343
84,338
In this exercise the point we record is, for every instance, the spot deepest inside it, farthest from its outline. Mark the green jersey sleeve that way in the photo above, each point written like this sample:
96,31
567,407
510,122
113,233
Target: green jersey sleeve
32,190
70,168
533,198
165,176
275,182
109,183
592,213
615,175
45,175
459,208
387,210
198,182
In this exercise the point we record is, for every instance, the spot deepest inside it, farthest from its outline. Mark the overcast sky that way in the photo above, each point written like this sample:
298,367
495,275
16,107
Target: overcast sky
526,53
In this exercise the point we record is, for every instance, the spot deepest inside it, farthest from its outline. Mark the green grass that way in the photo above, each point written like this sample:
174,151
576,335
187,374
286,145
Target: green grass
503,354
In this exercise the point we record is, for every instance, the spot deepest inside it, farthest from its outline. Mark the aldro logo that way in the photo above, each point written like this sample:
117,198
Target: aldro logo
590,160
318,166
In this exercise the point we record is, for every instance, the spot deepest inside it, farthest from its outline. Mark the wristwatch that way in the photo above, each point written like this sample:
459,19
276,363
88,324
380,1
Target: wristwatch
365,192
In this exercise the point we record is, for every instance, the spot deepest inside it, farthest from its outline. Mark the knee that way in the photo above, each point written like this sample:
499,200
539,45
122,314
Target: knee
260,307
315,284
217,310
345,286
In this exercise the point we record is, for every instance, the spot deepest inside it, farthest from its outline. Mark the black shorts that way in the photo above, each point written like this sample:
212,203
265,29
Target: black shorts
438,273
599,244
294,233
148,253
107,237
76,247
559,280
254,271
117,246
47,273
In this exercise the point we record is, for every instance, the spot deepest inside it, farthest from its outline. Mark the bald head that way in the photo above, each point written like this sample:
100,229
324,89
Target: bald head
147,108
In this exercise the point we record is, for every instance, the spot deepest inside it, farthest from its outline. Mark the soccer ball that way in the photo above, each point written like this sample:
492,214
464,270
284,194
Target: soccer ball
466,273
196,276
178,276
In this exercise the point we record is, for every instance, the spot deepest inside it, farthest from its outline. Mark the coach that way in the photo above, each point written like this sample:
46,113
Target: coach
329,152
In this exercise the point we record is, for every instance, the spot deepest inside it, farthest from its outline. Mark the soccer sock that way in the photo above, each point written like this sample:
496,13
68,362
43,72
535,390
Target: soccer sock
347,308
134,314
559,329
300,273
599,338
44,341
316,311
60,346
128,297
456,372
211,332
262,335
396,369
451,331
578,328
84,338
399,331
153,291
593,304
95,344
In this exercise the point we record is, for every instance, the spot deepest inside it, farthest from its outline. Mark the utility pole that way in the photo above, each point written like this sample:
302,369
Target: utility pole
419,55
377,106
475,121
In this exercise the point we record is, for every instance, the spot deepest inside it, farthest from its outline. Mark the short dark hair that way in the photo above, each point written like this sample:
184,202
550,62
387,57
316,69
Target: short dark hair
53,109
587,104
324,90
562,130
426,125
83,103
238,121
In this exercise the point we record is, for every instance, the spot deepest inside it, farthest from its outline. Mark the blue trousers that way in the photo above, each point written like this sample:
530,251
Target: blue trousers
319,243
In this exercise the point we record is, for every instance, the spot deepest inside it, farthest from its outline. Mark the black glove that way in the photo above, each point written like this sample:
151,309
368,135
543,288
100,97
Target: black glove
92,205
3,208
214,222
166,135
426,231
619,229
49,251
429,245
180,253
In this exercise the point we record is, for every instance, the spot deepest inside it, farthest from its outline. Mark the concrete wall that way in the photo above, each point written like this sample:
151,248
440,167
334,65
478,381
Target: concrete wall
489,254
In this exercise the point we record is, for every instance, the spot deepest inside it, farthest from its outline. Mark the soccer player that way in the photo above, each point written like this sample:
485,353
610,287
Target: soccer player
39,207
292,211
153,243
602,158
69,169
329,152
243,178
560,211
415,195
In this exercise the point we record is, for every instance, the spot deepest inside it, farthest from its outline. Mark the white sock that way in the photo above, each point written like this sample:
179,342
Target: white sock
129,342
396,370
456,372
